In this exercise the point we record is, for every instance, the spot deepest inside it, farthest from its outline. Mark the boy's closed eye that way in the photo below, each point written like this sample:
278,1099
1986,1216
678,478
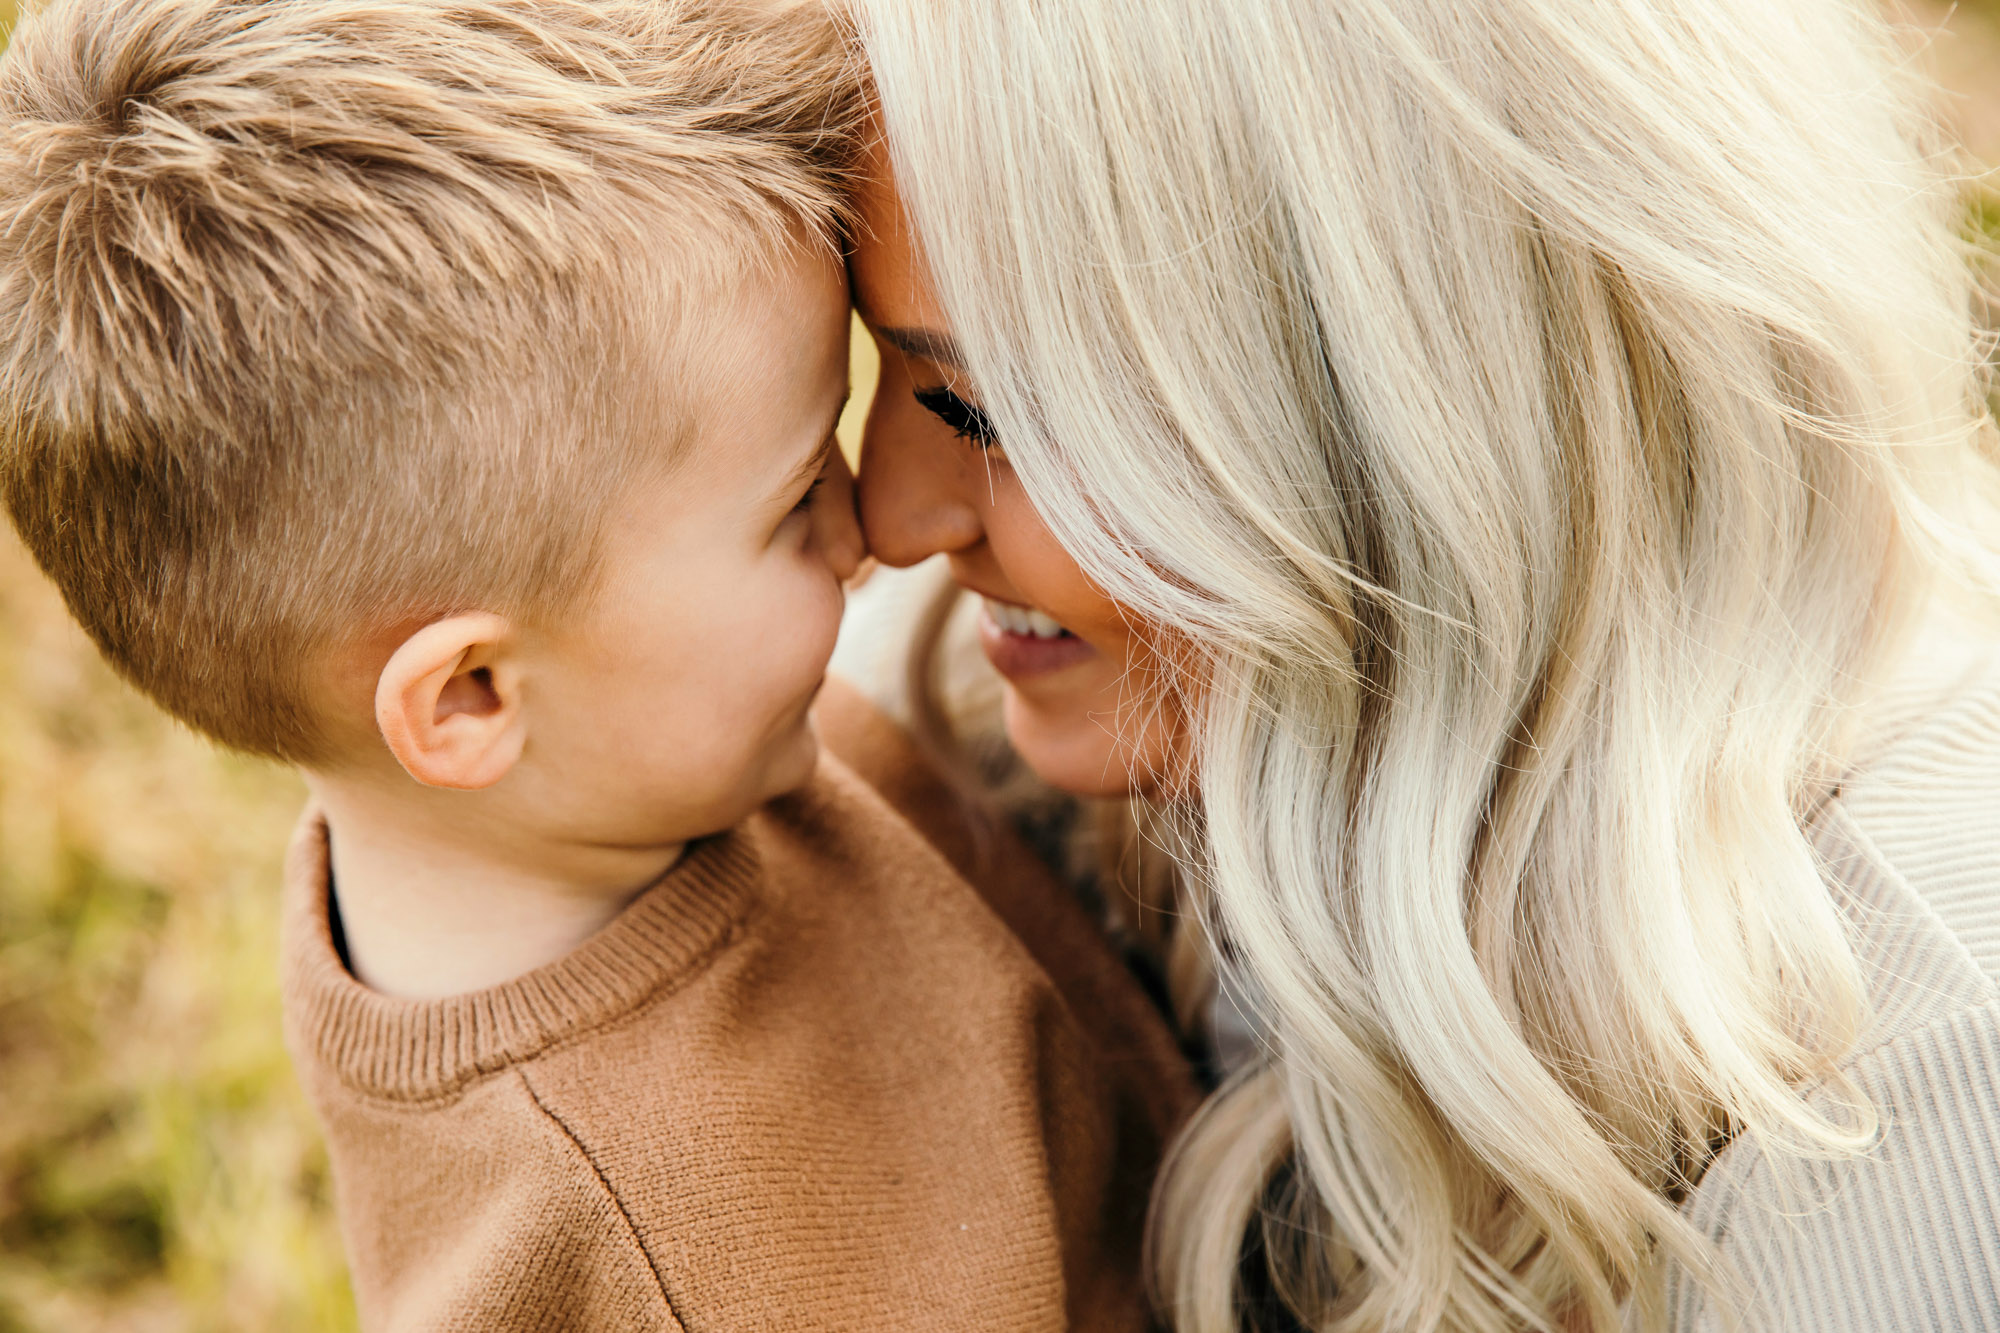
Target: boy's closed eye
805,482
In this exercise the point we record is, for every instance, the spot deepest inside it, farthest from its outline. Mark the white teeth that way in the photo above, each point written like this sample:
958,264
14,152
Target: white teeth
1021,620
1043,626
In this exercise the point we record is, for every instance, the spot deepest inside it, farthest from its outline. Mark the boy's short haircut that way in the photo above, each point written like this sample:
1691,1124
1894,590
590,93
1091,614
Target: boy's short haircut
323,317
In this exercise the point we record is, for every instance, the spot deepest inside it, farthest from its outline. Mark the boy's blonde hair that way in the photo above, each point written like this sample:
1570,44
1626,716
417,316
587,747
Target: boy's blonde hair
327,316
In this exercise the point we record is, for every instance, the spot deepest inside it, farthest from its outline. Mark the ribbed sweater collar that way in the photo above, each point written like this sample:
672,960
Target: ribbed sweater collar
419,1049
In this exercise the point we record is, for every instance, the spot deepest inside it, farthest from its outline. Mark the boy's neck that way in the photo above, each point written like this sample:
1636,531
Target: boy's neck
433,905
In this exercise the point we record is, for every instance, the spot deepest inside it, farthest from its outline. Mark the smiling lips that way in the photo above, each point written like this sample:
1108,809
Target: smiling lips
1023,620
1023,642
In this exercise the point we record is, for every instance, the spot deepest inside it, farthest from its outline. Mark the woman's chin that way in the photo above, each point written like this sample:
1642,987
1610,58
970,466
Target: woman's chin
1075,748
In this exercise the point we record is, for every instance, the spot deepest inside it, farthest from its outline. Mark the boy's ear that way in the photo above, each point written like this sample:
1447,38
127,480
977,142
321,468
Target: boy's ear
449,703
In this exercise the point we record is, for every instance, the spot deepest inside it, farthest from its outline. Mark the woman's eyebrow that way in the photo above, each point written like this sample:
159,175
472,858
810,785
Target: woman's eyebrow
925,345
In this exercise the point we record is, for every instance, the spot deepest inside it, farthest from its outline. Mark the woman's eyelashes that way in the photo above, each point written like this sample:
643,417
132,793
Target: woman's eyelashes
966,421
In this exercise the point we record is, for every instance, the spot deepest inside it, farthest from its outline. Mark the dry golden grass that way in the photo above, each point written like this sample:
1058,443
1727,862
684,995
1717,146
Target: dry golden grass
158,1168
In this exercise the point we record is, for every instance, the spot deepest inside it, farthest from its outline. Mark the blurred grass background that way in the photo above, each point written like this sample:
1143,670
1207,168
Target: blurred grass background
158,1167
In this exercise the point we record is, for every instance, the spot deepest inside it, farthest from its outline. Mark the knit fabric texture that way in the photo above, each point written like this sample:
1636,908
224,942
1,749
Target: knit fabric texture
1906,1238
853,1065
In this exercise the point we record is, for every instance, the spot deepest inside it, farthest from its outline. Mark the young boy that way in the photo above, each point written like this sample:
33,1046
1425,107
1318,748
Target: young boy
439,395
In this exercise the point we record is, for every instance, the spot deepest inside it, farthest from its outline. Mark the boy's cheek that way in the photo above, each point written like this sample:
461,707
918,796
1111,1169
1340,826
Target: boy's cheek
813,624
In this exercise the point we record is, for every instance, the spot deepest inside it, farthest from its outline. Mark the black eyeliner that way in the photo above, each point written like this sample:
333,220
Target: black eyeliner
966,421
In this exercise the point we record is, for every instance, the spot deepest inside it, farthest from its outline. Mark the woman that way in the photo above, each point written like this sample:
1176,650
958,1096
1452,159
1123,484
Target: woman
1479,470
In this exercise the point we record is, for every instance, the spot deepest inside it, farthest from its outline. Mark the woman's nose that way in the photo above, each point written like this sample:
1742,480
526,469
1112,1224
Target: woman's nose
914,499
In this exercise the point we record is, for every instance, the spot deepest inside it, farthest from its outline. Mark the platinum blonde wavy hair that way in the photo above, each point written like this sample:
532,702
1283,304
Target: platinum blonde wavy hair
1543,418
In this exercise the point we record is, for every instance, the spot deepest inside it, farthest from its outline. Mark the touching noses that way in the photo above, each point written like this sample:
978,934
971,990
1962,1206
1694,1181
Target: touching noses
836,528
914,498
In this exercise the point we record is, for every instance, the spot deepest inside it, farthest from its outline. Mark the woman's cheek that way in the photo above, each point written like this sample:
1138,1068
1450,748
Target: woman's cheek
1047,575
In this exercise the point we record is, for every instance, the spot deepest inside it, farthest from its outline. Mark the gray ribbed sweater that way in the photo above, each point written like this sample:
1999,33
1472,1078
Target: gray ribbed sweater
1907,1237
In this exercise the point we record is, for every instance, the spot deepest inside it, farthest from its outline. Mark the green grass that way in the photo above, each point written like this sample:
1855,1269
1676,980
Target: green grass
1983,230
158,1167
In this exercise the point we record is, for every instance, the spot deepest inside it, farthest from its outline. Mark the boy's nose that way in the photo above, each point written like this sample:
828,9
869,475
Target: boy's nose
912,504
836,527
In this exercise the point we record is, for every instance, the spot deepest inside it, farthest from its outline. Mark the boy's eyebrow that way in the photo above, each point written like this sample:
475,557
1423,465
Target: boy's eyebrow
925,345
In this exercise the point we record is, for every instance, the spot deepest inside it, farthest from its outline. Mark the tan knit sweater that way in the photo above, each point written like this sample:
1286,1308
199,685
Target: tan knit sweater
814,1079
